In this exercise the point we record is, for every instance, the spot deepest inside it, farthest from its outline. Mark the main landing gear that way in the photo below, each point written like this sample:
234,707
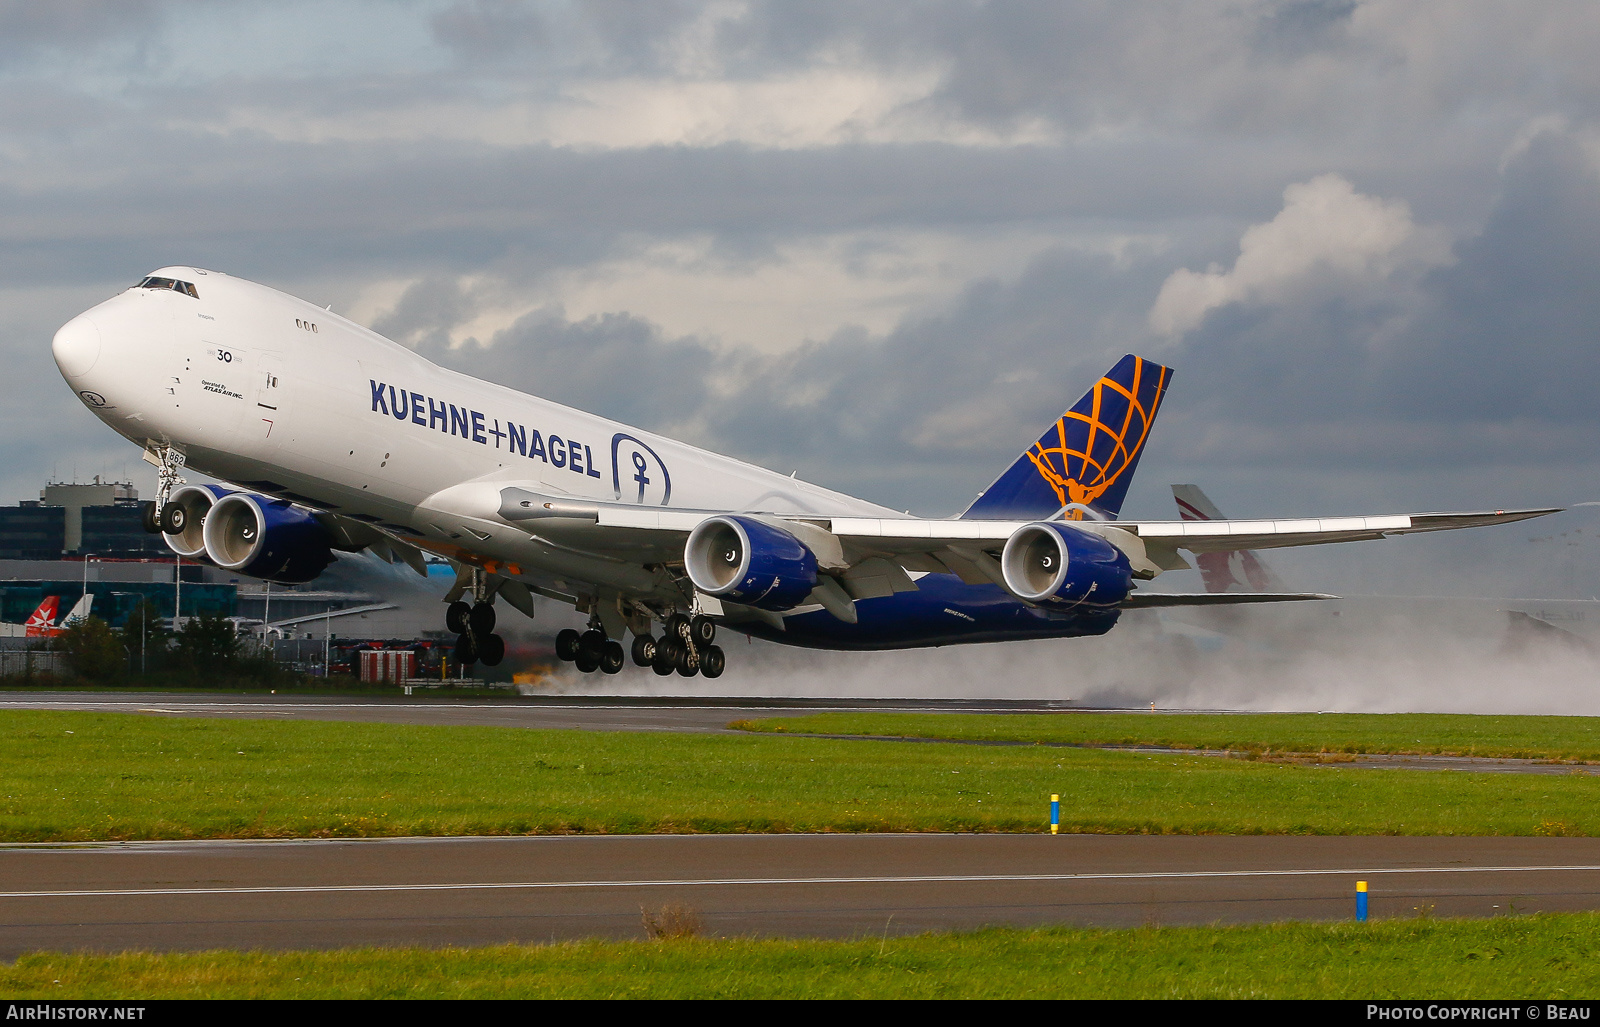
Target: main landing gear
476,641
685,646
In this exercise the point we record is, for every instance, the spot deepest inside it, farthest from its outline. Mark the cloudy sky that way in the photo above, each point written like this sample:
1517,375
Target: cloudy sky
880,244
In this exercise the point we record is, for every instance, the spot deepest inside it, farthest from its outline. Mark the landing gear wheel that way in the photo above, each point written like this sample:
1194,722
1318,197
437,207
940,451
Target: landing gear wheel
481,619
712,662
678,627
466,650
644,650
455,617
688,662
567,641
703,630
587,662
611,656
174,519
592,642
665,660
149,518
491,650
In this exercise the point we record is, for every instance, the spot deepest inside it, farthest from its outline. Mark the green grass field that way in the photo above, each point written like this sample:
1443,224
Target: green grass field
1544,957
87,776
1562,738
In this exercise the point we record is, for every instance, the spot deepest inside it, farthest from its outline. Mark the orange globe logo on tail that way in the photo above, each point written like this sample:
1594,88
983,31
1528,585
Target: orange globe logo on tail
1092,448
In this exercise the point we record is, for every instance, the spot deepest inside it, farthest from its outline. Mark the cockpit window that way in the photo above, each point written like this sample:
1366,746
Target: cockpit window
168,283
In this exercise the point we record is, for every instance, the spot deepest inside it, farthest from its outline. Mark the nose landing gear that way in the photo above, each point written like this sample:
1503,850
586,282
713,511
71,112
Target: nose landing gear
162,516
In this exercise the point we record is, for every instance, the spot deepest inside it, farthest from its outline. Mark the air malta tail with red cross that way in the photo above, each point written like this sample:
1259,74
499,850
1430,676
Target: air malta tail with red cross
41,623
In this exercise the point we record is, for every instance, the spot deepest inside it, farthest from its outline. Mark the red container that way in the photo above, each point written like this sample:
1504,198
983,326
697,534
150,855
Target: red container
391,665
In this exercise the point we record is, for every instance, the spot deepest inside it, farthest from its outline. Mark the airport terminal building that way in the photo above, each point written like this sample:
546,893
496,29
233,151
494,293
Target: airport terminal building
78,538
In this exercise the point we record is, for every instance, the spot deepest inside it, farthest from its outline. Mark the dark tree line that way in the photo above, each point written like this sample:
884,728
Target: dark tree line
144,647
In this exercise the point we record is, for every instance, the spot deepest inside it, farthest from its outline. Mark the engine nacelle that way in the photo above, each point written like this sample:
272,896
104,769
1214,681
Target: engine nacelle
196,500
1052,564
266,538
747,561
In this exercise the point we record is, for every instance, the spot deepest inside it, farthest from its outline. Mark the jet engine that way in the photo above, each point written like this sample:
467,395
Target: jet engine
195,502
747,561
266,538
1052,564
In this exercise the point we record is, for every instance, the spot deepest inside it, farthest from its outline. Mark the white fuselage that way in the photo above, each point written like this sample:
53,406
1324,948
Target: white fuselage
266,391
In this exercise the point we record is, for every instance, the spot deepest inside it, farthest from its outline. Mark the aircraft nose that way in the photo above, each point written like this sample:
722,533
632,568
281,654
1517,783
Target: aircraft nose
77,347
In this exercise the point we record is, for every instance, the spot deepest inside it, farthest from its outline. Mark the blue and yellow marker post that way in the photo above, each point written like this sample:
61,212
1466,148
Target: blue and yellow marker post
1361,902
1055,814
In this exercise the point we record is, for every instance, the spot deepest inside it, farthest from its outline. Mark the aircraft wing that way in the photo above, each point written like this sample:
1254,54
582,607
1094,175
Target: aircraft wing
1195,536
966,546
1221,536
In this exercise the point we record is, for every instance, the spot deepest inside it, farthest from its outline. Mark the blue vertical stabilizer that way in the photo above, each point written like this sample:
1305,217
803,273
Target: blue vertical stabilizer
1088,456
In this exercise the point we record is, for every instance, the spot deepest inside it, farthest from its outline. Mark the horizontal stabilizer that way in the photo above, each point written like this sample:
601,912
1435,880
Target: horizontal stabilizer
1156,600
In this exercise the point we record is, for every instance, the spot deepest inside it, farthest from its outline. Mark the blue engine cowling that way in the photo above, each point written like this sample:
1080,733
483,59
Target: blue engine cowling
747,561
196,500
266,538
1055,565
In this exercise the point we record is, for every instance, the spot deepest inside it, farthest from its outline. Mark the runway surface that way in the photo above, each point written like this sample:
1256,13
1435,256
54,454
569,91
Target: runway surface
592,713
691,714
168,896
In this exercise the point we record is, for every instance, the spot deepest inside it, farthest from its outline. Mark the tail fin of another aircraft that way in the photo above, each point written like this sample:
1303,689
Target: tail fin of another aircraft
41,620
1087,457
80,610
1238,571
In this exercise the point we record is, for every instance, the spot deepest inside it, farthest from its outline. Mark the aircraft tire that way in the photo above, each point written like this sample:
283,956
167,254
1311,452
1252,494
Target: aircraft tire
566,644
587,662
677,626
665,660
713,662
481,619
703,630
592,642
174,519
466,651
644,650
688,662
611,656
150,518
491,650
455,617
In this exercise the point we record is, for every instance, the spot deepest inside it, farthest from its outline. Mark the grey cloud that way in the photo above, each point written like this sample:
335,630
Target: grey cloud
1489,361
30,25
135,196
487,29
615,365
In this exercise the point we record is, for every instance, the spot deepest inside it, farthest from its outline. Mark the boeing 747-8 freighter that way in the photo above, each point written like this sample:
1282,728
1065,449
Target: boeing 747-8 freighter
332,438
